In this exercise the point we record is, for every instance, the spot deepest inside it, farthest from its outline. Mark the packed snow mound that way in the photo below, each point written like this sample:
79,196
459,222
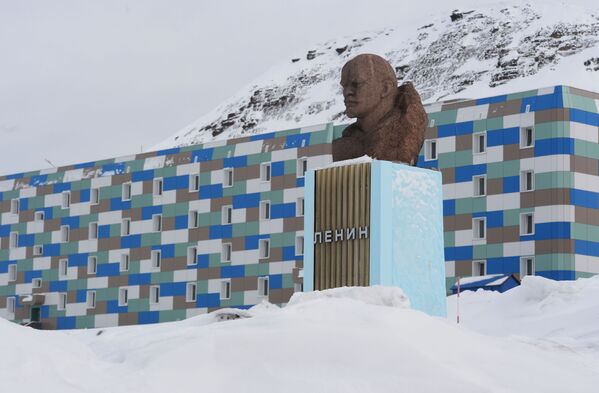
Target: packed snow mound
376,296
333,341
470,53
540,311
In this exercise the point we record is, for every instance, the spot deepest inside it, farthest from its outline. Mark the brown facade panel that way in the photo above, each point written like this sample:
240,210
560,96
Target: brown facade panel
463,268
342,200
463,142
448,175
585,215
500,109
549,115
585,165
554,246
494,186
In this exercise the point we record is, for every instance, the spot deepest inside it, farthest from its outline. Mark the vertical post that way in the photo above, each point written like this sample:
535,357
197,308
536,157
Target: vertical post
458,302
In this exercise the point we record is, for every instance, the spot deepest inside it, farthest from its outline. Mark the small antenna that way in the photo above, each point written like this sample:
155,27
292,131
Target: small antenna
49,162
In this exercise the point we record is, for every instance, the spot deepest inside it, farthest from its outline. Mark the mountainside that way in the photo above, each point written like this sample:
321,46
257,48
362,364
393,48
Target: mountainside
465,54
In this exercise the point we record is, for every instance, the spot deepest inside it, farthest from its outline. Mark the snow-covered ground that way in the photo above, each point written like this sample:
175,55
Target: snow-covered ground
541,337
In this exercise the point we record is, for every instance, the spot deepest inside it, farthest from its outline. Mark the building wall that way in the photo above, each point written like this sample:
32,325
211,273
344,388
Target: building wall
565,200
43,191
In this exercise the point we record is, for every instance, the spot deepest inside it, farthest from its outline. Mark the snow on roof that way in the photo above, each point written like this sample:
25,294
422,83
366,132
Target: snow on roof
489,280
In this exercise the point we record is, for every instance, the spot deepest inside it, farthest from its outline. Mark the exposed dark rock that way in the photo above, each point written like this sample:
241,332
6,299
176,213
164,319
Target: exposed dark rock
295,60
341,50
455,15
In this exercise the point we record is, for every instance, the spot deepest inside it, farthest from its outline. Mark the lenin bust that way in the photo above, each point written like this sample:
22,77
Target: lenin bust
390,120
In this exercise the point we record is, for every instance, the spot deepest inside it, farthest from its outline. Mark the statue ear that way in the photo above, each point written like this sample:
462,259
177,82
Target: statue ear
388,88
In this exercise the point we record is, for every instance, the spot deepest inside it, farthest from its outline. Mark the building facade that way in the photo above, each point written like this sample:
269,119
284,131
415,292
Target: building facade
167,235
520,183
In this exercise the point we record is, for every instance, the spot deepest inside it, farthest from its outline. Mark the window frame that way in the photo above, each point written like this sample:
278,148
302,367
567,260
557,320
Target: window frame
15,206
62,301
11,304
226,246
428,156
126,196
265,172
299,244
156,222
13,272
194,182
154,294
63,269
36,283
123,299
523,223
92,261
192,261
90,295
193,219
93,234
65,233
476,228
125,262
262,255
524,180
13,240
263,286
476,183
94,196
226,214
188,292
300,207
301,167
65,202
158,187
156,259
265,210
228,181
38,250
476,143
227,289
38,214
524,264
524,135
479,262
126,226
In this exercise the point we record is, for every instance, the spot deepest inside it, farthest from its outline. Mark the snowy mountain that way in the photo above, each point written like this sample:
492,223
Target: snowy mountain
465,54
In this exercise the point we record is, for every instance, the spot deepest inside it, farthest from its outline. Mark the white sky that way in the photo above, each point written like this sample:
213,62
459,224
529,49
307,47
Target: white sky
82,80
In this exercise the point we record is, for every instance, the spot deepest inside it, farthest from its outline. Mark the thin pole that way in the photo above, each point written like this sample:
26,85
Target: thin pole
458,302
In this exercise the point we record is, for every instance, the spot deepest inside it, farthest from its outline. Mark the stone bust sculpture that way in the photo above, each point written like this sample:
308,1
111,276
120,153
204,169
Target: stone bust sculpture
390,120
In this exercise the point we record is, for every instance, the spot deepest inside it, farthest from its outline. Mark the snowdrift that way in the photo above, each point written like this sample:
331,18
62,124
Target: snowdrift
342,340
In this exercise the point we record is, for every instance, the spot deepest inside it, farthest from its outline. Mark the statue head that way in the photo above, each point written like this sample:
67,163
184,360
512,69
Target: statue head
369,87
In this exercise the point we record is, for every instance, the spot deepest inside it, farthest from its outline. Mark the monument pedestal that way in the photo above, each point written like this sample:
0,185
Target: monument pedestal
376,223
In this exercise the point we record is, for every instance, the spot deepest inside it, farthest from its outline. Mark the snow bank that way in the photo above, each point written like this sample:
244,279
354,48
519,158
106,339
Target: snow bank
375,296
343,340
540,311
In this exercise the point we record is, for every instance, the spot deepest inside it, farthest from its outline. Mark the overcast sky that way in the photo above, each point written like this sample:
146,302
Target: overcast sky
82,80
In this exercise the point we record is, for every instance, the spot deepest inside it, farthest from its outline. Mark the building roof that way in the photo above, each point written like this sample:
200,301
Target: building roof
488,281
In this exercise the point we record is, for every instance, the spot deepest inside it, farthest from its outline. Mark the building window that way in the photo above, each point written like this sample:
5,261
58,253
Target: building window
90,299
227,215
298,287
12,272
480,185
157,188
527,137
299,207
194,182
194,219
37,283
479,227
126,227
94,196
92,264
299,245
192,256
11,304
479,143
265,210
62,301
126,191
65,233
156,257
66,199
228,177
123,296
527,266
93,230
124,265
479,268
263,286
265,171
527,224
527,181
190,292
13,241
430,150
155,294
302,167
39,216
63,268
226,252
15,206
225,289
264,248
38,250
157,222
